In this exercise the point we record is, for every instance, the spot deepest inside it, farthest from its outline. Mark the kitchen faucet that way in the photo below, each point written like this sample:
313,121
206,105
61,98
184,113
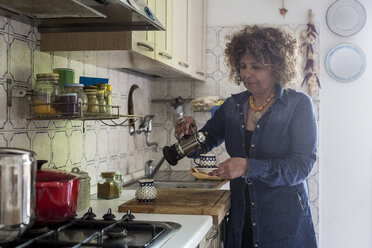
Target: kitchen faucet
149,171
146,127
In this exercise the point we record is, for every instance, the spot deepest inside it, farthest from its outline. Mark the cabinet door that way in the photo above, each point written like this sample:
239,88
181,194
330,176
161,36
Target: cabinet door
164,39
144,41
180,34
196,36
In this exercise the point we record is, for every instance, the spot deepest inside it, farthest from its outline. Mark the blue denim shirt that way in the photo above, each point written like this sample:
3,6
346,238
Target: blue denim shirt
282,154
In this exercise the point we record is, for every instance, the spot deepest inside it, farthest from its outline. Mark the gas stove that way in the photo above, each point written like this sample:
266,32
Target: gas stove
106,232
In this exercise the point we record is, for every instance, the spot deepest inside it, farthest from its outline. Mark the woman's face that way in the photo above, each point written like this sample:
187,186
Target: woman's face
257,77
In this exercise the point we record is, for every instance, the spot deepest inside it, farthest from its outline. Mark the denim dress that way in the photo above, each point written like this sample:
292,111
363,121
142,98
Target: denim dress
282,154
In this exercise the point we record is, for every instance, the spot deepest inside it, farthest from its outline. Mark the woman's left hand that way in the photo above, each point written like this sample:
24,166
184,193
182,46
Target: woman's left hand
231,168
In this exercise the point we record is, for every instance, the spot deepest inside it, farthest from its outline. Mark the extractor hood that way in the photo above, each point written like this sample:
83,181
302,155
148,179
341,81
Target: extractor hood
54,16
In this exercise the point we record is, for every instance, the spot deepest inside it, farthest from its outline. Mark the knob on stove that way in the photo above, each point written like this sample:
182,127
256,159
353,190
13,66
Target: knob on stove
109,215
89,215
128,216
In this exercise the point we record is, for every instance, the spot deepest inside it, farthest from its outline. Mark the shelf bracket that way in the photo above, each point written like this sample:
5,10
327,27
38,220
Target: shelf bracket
12,92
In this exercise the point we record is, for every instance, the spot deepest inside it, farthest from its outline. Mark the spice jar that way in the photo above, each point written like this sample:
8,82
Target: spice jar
92,101
46,92
108,187
83,201
109,99
101,101
82,97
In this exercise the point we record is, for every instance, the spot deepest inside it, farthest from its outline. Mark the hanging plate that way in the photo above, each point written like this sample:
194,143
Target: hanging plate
346,62
346,17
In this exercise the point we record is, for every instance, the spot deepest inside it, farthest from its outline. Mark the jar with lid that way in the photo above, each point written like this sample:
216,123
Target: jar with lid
109,99
93,106
46,92
82,97
101,101
108,187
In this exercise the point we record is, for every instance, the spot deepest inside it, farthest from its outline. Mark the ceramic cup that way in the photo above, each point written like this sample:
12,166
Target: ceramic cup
206,161
146,191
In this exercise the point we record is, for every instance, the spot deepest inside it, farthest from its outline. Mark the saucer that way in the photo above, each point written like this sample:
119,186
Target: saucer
205,170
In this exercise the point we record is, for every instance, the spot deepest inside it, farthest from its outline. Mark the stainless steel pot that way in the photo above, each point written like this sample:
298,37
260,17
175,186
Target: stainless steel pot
17,177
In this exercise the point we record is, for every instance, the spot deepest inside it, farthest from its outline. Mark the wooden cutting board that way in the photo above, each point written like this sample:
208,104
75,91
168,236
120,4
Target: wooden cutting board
184,201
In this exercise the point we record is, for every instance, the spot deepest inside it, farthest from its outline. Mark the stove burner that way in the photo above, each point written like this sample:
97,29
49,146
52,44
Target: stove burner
117,232
37,231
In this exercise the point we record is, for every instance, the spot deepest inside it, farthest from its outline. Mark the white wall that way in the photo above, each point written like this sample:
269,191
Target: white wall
345,119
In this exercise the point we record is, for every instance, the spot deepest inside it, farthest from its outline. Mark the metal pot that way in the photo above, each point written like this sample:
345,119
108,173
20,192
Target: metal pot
17,175
56,196
84,189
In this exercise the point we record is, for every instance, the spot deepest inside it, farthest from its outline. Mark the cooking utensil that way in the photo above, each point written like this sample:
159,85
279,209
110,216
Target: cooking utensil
17,175
56,195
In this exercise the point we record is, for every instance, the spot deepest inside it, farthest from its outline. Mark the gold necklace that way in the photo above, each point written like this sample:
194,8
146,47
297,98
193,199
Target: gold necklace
257,114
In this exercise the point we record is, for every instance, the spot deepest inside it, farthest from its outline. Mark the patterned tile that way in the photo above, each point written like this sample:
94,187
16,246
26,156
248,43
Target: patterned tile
90,145
76,146
20,29
41,144
20,140
19,112
103,143
60,148
21,59
4,109
3,141
181,89
3,24
3,55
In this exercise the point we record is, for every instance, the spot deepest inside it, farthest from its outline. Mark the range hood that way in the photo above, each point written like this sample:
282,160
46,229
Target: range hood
54,16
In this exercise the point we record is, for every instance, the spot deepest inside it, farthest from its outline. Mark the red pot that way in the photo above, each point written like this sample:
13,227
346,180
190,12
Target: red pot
56,196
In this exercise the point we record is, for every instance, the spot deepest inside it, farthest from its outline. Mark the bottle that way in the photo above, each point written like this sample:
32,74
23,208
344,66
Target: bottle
92,101
101,101
109,99
108,187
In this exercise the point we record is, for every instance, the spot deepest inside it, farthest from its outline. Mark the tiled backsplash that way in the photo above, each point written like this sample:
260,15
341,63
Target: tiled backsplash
91,145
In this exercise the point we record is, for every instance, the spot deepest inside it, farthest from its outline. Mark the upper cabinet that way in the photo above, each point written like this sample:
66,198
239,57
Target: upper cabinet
196,37
177,52
164,40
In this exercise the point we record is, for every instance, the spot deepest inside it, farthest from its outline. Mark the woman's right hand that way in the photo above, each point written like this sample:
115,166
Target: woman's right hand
183,127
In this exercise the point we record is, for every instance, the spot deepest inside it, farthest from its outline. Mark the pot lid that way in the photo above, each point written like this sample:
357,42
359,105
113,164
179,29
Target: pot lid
51,175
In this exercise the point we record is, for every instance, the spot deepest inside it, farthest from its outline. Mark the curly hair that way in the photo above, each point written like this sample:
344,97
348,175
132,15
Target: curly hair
268,45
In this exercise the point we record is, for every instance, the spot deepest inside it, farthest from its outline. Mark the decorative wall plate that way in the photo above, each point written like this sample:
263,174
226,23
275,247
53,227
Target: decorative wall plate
346,17
346,62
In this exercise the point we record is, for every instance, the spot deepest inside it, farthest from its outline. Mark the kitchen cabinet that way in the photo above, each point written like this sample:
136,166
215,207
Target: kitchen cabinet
178,52
164,40
189,36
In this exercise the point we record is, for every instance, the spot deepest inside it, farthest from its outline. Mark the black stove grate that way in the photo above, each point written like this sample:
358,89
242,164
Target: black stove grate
89,232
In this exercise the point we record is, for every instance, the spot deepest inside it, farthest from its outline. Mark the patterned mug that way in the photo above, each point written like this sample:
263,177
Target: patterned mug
206,161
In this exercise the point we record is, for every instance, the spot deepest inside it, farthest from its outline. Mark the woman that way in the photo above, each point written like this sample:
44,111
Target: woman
270,133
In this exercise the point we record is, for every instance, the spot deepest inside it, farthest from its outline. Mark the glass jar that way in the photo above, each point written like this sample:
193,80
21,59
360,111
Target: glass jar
92,101
82,97
46,92
109,99
108,187
101,101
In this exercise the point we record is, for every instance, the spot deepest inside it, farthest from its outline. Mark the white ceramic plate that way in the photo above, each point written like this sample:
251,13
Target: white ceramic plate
346,17
346,62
